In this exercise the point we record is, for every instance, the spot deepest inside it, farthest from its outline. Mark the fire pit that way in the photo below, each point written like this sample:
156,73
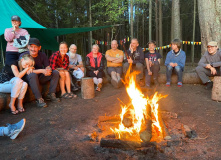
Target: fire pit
139,123
139,127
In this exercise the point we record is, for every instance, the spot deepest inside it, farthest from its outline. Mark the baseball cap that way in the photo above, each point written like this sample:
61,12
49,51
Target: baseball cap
34,41
16,18
212,43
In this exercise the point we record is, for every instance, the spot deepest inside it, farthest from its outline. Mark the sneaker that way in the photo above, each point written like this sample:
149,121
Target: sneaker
41,103
114,83
168,84
52,97
209,86
179,84
15,129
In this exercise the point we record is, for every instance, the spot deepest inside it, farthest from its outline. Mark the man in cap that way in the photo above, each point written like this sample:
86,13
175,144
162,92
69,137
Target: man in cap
209,64
41,74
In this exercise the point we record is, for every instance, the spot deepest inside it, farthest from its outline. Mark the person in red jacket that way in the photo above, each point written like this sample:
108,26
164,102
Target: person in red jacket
95,66
60,61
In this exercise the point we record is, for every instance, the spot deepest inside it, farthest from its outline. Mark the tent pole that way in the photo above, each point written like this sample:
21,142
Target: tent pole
2,54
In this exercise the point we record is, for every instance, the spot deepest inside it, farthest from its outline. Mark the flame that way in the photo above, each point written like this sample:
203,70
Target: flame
137,110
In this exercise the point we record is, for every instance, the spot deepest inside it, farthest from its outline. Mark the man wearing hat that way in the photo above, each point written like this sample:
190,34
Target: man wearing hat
41,74
11,34
209,64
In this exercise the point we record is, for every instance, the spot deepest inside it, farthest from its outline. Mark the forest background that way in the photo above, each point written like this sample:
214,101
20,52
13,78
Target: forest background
159,20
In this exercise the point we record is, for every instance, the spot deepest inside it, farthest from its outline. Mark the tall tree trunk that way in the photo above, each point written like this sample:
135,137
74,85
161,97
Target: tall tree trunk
137,19
150,20
172,22
90,23
210,22
160,28
194,27
143,25
156,21
131,20
176,19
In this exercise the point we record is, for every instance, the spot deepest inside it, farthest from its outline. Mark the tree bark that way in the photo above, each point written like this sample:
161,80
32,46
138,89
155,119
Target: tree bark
90,23
150,20
176,27
131,20
156,21
210,22
194,27
160,29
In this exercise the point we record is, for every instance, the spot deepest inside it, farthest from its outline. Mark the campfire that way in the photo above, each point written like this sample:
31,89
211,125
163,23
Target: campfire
139,121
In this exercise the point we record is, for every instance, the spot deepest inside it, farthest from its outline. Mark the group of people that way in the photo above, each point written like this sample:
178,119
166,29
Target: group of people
27,65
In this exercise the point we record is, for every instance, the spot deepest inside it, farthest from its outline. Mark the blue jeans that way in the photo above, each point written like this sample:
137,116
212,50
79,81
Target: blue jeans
178,70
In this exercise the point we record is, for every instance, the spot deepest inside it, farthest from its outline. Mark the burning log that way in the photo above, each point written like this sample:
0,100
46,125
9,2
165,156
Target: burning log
165,132
146,132
109,119
117,143
87,88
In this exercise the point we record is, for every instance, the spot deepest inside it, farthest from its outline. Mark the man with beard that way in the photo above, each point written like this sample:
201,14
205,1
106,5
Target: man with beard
209,64
76,67
41,74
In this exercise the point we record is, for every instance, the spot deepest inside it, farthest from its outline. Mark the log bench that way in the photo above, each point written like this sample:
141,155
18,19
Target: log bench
29,96
188,78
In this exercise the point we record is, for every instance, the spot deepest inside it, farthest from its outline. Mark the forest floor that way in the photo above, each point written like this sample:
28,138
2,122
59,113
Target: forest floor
60,131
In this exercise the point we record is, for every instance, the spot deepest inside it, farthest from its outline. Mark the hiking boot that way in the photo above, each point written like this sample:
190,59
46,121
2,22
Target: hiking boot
74,88
15,129
209,86
41,103
52,97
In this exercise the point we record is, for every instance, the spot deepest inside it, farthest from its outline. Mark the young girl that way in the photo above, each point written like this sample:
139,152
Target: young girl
12,82
60,61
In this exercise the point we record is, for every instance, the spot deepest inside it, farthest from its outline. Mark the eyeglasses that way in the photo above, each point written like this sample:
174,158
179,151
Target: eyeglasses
210,46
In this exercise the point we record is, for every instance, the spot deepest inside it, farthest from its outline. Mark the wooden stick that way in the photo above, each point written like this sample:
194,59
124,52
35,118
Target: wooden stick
166,135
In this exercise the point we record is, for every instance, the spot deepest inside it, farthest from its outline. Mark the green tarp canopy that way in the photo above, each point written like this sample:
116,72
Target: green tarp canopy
8,8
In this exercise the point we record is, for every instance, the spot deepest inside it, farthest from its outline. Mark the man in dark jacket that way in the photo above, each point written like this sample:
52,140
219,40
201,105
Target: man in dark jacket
135,56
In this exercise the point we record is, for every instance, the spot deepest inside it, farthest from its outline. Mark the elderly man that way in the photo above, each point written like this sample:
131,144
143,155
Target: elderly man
115,58
76,66
135,56
41,74
209,64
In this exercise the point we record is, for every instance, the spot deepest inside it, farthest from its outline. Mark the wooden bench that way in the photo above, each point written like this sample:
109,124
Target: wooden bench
29,96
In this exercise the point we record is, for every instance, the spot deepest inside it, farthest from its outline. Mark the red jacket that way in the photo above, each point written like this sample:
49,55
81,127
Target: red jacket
92,60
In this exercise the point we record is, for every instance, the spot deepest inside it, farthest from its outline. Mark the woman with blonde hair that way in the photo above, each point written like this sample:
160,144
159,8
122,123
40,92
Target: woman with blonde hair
95,66
60,61
11,81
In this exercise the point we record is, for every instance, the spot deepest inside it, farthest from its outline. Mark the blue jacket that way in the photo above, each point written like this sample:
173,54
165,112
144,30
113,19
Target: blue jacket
179,58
